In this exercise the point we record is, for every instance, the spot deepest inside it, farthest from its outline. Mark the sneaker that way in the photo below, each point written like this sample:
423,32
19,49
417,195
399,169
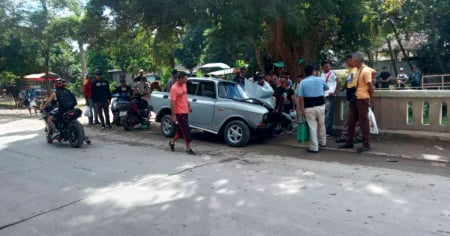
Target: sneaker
363,149
311,151
55,135
341,140
190,152
172,146
97,122
347,145
109,127
103,127
329,135
322,146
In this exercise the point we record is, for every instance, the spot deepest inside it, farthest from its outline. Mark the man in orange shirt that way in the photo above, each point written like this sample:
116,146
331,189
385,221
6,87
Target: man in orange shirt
359,108
180,109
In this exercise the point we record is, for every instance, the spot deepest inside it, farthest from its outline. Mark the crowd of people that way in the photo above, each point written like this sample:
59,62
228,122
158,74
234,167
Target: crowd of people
313,97
98,95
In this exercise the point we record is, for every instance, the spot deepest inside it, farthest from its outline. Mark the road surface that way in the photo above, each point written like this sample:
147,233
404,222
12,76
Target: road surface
130,184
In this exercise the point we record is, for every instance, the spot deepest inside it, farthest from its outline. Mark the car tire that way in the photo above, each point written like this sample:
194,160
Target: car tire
236,133
167,126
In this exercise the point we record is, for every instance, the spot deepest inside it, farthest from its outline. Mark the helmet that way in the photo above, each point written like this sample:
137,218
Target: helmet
98,72
60,83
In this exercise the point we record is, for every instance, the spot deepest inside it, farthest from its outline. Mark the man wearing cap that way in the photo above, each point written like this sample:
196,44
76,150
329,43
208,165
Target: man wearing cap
140,75
101,96
402,79
240,78
180,108
359,103
171,81
87,91
66,101
141,86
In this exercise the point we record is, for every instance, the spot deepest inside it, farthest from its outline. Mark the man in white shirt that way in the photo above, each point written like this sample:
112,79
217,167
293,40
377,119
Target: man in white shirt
402,79
332,82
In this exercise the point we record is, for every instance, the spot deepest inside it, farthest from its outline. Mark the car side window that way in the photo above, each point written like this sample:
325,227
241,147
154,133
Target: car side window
207,89
192,87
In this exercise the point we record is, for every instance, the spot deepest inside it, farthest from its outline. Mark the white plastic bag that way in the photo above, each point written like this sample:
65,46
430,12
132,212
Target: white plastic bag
88,111
373,123
33,103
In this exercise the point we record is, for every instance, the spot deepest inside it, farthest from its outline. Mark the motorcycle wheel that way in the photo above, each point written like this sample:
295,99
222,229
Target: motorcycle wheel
117,120
76,134
126,126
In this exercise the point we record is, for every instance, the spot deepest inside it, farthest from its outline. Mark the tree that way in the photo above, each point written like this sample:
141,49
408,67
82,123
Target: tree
191,48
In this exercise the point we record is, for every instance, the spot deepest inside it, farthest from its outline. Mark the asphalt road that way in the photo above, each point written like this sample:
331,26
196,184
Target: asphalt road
130,184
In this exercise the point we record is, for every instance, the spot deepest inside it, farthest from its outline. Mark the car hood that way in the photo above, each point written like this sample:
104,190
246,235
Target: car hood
262,94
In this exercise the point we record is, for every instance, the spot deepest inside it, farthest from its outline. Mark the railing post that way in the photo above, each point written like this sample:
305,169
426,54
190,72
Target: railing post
442,77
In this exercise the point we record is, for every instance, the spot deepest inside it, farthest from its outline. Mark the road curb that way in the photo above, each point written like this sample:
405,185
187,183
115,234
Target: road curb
382,154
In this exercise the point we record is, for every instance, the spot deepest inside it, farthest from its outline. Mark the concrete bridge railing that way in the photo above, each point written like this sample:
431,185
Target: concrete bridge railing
405,110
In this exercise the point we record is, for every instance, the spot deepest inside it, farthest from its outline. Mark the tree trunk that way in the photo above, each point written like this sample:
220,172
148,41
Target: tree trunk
399,41
47,69
391,53
435,46
82,58
259,59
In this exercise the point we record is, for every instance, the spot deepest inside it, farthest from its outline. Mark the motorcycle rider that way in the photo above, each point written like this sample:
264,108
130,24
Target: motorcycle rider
123,90
66,101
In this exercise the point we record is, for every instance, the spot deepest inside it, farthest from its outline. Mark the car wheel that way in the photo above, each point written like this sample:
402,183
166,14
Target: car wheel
167,126
236,133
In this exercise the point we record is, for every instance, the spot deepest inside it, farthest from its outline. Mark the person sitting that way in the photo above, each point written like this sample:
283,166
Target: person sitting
123,90
66,101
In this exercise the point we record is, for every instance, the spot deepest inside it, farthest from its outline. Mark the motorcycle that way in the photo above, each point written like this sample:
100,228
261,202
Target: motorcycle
69,128
135,111
116,102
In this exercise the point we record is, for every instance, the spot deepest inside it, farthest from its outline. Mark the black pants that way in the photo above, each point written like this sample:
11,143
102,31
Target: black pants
183,129
103,108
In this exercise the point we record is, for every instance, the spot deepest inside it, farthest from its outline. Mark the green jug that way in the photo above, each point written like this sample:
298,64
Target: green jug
302,130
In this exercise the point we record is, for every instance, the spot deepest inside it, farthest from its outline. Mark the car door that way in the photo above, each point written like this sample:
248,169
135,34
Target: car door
203,103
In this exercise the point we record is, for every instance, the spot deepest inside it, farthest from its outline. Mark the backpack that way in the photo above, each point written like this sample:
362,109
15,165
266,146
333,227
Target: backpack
66,100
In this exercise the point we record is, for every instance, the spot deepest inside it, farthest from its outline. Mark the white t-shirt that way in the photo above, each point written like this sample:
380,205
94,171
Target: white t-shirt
330,79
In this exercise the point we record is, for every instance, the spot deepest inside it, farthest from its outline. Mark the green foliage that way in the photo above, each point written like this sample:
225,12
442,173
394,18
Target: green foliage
8,78
191,48
76,87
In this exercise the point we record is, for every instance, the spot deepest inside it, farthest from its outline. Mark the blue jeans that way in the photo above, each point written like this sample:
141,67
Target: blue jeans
93,111
330,104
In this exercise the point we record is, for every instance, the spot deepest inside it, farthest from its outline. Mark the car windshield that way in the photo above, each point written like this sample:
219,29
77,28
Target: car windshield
231,90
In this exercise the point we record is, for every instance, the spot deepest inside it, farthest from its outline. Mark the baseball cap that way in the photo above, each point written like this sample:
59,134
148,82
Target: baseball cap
141,70
401,68
98,72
